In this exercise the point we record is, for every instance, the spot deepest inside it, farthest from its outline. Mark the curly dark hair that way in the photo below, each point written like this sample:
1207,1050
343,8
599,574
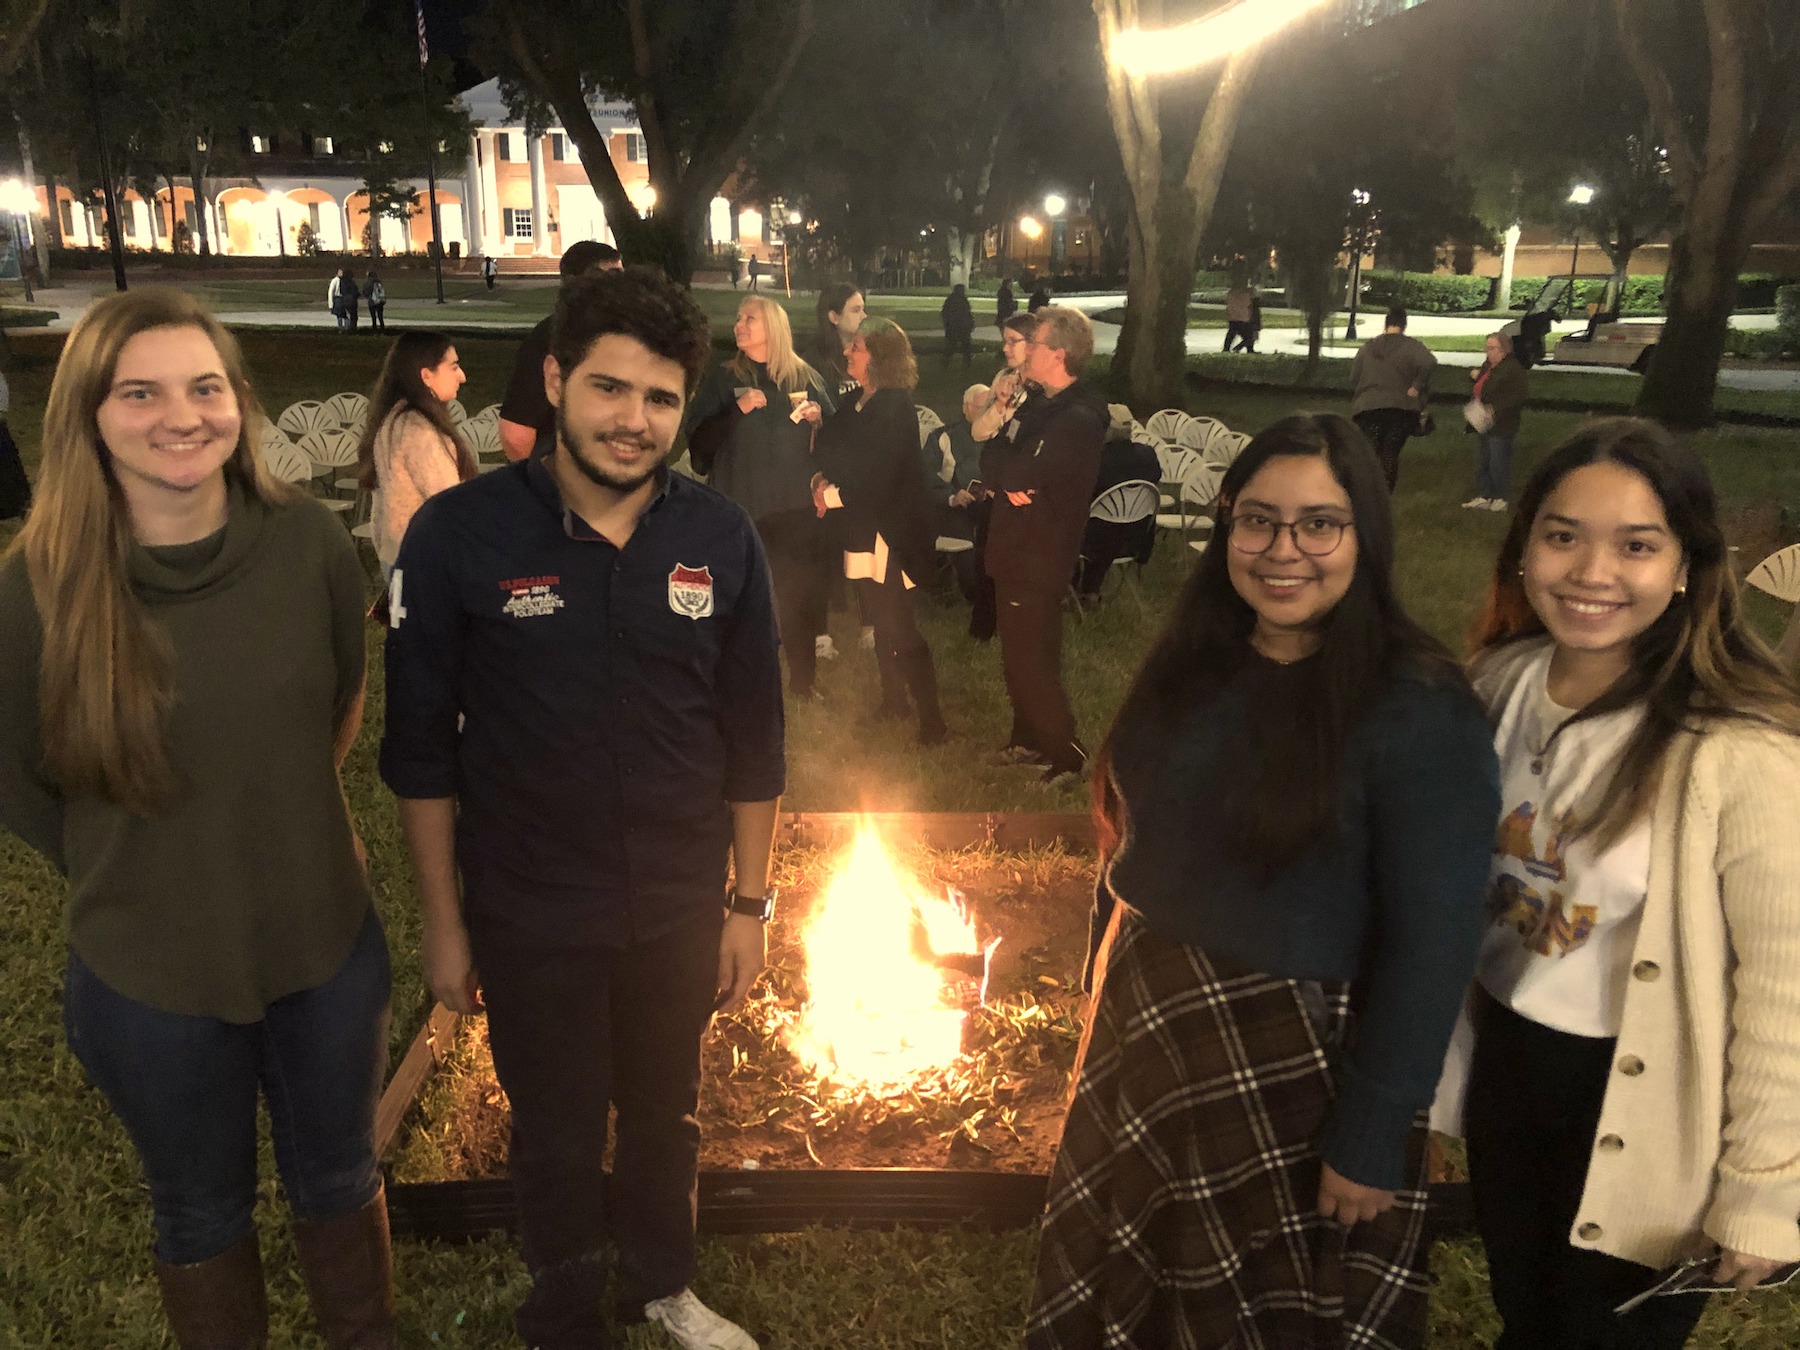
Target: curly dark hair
638,302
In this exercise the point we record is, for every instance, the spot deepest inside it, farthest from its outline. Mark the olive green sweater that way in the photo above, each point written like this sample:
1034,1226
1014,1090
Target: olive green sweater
246,886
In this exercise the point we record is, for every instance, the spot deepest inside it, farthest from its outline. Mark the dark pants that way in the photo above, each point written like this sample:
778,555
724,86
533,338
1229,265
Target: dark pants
1241,331
185,1089
15,488
1102,542
378,316
1388,430
350,314
576,1031
1029,624
1532,1111
796,544
955,342
902,654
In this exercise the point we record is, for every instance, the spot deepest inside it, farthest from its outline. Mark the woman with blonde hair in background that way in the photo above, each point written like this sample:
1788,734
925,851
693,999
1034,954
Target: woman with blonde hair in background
411,450
181,676
750,431
1633,1095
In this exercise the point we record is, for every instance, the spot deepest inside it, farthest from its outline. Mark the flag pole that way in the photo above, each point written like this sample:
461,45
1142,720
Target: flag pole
437,236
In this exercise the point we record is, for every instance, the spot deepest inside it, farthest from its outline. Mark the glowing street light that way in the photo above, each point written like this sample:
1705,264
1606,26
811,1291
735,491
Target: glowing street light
1143,52
794,217
1580,195
1055,204
1031,227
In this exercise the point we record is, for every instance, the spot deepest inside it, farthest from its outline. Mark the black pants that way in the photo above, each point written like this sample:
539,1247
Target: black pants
955,342
1030,624
15,488
378,316
902,655
1388,429
1242,331
1532,1111
575,1031
798,559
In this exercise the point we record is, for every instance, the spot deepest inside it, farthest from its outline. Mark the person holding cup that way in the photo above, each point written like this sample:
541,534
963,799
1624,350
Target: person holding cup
751,433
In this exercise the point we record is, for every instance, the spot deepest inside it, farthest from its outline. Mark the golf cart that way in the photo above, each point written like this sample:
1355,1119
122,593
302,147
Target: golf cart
1604,342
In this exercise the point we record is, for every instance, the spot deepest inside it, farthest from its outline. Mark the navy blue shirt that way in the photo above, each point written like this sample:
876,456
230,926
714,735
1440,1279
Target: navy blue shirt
592,709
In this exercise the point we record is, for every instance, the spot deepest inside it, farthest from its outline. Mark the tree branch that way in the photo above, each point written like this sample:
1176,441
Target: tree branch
711,164
1727,100
663,167
1660,93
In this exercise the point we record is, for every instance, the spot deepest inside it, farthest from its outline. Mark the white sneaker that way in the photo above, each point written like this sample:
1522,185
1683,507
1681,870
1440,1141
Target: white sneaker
1496,504
824,648
867,640
1477,504
696,1326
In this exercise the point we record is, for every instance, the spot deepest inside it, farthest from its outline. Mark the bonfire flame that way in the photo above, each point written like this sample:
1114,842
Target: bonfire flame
882,955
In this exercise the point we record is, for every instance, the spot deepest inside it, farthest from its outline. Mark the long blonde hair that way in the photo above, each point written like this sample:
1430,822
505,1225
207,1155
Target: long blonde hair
105,679
790,373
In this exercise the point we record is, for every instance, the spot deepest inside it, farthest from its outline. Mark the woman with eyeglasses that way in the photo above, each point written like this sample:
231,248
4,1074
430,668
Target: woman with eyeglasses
1295,807
1633,1091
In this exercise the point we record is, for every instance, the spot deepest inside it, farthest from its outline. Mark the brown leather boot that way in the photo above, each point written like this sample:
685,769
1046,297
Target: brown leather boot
350,1274
217,1304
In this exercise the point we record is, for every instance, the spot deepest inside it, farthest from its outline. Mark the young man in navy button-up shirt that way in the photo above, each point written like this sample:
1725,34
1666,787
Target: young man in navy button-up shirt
584,718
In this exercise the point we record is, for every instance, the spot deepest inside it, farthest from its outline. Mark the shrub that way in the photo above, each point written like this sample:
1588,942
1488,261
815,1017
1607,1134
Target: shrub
1787,314
306,240
1758,344
1426,292
1212,281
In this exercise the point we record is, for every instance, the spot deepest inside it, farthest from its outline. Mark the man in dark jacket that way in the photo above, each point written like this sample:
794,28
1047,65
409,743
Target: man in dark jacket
1391,377
1041,499
1122,460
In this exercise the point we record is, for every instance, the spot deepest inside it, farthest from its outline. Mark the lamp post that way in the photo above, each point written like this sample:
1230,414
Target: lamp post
1580,195
16,204
1056,206
1359,202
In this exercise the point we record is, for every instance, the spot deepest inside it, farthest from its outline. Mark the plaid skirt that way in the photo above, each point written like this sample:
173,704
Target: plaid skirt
1183,1209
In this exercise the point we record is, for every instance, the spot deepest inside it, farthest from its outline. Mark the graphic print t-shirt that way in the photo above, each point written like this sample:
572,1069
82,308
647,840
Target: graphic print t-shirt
1563,916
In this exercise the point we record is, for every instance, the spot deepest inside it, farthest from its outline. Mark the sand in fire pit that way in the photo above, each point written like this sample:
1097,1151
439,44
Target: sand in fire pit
1000,1106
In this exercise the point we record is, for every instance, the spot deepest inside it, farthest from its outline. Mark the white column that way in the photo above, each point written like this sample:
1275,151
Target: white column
471,202
540,195
493,224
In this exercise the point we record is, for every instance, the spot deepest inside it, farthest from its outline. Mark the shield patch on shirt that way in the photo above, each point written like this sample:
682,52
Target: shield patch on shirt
691,591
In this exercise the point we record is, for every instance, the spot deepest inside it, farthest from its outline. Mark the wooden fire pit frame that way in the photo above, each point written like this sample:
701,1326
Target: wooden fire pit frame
781,1201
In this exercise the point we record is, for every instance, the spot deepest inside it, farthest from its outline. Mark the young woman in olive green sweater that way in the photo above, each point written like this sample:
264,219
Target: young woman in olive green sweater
181,675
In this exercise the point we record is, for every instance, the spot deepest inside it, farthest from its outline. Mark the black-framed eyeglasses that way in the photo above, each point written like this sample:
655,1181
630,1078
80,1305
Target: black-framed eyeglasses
1315,536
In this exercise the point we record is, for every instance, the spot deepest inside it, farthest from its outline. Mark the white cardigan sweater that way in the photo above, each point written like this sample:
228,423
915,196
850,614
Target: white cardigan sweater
1699,1134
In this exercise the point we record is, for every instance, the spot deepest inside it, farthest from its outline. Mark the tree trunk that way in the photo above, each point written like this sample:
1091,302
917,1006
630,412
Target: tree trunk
1509,251
40,236
202,231
1153,341
1698,296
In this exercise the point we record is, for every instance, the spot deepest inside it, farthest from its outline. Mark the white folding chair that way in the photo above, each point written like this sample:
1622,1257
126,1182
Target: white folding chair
1128,503
929,422
1197,433
287,462
483,436
349,409
331,450
458,413
1225,446
1778,574
307,415
1176,464
1199,489
1166,425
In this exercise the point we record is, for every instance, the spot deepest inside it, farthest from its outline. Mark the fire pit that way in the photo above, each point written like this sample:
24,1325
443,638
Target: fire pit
905,1059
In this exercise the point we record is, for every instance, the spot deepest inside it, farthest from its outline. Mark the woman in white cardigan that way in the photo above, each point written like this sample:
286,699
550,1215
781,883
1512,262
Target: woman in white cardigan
1633,1091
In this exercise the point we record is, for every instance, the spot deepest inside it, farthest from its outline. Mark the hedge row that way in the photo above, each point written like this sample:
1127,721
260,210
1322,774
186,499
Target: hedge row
1427,292
1787,314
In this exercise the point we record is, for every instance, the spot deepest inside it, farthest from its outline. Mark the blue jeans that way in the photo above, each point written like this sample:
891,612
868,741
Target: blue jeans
186,1088
1493,467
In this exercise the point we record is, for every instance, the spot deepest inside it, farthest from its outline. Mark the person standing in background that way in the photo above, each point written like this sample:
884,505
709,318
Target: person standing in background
1239,317
1005,305
376,294
1501,387
410,449
1041,499
1391,380
15,488
489,270
526,416
958,318
750,431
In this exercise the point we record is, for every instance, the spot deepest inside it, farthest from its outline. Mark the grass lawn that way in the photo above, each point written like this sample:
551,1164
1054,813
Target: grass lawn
75,1268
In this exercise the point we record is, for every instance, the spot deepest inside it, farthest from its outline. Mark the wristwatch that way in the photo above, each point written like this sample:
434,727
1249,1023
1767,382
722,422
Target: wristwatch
756,907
